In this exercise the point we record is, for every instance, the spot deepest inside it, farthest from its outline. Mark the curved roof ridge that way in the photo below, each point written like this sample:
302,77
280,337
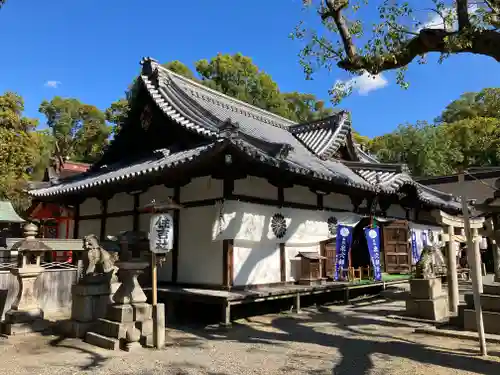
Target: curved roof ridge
262,112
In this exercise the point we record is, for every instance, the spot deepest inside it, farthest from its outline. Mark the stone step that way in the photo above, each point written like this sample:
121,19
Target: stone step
490,302
491,321
102,341
112,329
492,289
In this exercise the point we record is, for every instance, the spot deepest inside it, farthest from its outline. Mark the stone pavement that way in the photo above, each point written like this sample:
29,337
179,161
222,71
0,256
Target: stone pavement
355,340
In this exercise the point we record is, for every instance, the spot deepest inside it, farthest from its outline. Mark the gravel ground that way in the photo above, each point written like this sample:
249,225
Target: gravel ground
353,340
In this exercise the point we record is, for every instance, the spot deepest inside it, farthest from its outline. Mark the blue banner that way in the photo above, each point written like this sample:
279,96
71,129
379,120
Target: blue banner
424,238
372,236
414,246
343,244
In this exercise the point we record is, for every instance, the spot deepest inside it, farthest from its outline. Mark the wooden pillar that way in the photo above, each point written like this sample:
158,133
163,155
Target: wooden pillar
175,244
227,264
76,222
495,244
104,216
282,262
135,218
477,254
452,273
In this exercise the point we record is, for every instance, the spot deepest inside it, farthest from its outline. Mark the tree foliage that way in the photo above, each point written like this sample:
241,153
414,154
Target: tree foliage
398,37
79,130
19,148
466,134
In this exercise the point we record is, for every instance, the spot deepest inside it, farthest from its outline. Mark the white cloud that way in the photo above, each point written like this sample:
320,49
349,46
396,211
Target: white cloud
365,83
53,84
435,20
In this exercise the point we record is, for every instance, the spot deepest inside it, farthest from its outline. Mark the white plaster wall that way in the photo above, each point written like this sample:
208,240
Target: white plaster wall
337,201
256,263
87,227
395,210
300,194
255,187
157,192
121,202
292,264
115,225
473,189
201,188
91,206
200,258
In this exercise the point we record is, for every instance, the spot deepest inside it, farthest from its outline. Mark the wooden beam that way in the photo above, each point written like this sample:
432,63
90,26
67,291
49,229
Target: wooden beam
227,263
282,262
177,222
319,201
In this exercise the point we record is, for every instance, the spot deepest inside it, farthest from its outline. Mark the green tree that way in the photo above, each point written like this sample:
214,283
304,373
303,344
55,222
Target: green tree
177,67
80,130
424,147
398,38
19,148
306,107
116,114
485,103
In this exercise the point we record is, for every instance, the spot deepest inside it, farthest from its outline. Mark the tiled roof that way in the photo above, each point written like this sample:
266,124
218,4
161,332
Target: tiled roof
206,111
306,149
119,173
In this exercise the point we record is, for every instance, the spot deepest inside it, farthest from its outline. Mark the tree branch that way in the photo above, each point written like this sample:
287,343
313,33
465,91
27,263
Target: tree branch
482,42
463,14
333,9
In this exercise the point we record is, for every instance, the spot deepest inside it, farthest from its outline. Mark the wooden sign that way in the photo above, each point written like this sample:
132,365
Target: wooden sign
161,233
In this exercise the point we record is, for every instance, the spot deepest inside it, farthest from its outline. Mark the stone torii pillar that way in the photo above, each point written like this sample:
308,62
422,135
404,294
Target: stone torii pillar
451,222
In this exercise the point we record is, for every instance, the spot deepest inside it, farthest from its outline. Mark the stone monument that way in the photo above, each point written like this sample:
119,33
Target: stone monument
128,322
427,299
94,291
25,315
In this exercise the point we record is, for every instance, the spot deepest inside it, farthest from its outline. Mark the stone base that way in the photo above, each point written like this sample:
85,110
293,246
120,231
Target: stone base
12,329
493,289
431,309
159,325
74,328
113,331
23,316
491,321
426,288
91,301
101,341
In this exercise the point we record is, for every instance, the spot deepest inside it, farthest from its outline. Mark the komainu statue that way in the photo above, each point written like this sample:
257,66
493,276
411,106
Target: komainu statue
98,263
423,268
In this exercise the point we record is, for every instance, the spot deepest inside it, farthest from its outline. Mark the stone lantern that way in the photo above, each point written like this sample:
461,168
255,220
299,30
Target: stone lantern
25,314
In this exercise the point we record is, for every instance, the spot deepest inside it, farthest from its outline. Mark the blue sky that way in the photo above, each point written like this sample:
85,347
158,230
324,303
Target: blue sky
91,50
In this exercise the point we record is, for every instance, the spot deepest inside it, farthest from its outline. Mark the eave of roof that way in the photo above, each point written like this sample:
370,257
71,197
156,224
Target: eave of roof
120,173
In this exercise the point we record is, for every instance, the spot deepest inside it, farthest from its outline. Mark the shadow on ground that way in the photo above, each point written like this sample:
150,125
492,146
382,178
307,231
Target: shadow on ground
355,351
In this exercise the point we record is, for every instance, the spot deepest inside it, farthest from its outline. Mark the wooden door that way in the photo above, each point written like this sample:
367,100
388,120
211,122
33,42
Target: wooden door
397,249
328,251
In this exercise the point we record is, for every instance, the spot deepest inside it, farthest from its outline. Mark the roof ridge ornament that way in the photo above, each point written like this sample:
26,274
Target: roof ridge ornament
284,151
229,129
161,153
148,65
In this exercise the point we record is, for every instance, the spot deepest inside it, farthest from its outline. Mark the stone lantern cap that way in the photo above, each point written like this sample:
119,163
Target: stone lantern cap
30,245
